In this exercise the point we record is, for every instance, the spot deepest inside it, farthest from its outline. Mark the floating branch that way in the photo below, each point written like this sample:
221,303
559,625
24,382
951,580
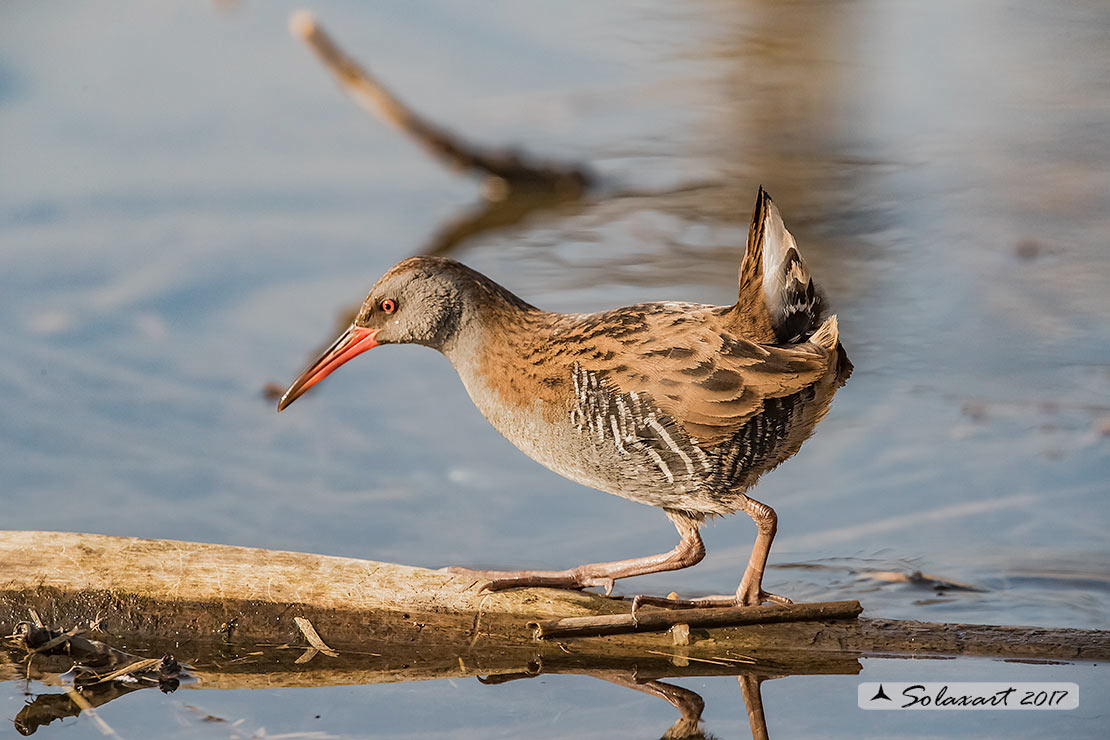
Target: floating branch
657,621
509,170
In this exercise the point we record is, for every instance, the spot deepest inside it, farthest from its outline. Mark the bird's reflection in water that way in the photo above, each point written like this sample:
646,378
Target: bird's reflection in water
690,704
44,709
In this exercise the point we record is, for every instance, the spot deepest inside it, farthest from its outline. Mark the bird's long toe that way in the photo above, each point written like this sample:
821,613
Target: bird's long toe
709,602
504,580
524,581
754,596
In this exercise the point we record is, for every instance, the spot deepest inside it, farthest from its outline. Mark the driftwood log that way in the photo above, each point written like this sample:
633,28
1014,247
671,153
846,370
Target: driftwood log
433,622
213,616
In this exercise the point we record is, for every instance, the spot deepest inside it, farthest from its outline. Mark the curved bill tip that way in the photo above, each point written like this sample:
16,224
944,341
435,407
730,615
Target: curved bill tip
351,343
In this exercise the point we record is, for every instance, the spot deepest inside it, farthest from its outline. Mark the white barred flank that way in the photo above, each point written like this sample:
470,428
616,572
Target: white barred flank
654,424
632,425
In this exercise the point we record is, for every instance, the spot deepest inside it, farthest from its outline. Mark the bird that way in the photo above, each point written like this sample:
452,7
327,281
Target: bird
681,406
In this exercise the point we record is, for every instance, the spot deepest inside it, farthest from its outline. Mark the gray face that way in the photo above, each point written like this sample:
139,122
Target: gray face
422,300
413,306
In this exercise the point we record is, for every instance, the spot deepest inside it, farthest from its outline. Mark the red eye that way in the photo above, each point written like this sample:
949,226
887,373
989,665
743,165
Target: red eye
389,305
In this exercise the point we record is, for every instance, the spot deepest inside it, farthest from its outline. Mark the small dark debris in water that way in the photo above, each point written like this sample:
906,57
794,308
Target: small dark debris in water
168,675
39,639
1027,249
271,391
227,629
805,566
974,410
924,580
204,716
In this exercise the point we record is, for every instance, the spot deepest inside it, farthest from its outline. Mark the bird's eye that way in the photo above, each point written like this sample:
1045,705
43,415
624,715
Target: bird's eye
389,305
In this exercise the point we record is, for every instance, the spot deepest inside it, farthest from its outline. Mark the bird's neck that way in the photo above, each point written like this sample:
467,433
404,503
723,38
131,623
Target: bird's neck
490,317
503,354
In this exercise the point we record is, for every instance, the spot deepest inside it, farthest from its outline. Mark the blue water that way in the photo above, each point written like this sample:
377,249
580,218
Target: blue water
188,201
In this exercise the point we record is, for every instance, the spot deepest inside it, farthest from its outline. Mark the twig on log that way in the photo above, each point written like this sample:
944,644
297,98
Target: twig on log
508,169
658,621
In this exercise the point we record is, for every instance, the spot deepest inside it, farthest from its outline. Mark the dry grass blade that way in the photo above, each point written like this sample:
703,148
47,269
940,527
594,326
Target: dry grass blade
307,655
313,637
139,665
725,662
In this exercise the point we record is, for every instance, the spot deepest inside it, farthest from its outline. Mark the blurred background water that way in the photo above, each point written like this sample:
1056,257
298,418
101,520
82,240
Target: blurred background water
188,202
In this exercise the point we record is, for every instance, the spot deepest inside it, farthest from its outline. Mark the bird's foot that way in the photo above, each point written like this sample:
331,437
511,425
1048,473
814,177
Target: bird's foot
708,602
502,580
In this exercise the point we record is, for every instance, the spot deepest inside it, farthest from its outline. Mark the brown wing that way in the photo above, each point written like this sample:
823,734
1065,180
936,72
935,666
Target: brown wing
710,382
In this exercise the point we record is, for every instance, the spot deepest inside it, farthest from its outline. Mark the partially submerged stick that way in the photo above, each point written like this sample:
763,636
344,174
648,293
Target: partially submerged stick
510,169
656,621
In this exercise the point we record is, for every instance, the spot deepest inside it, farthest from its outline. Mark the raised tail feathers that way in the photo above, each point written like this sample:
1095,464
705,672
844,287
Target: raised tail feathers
774,277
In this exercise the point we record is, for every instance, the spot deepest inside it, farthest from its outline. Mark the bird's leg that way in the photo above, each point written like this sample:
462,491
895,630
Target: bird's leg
750,592
689,551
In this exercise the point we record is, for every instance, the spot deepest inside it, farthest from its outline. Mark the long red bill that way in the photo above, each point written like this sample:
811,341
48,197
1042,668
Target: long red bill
353,342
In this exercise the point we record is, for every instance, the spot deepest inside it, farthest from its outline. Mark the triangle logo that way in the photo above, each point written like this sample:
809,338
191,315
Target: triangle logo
880,694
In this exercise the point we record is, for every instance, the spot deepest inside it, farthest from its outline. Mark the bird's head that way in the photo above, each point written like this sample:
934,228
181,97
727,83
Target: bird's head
420,300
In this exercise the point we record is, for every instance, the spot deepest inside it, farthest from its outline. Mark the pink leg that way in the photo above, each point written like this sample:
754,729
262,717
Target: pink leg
750,592
689,551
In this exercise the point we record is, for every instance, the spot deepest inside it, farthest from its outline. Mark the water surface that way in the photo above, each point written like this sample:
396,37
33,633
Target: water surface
189,202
